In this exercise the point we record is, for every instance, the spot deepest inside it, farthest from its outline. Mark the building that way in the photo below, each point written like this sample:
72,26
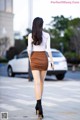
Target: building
6,23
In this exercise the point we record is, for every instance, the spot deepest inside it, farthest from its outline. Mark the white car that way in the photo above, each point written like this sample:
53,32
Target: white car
20,64
60,65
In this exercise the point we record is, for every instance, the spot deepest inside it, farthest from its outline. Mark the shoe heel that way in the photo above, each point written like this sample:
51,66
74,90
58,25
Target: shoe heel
40,116
37,112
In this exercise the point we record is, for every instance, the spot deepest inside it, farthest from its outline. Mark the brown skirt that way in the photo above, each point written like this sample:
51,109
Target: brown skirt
39,60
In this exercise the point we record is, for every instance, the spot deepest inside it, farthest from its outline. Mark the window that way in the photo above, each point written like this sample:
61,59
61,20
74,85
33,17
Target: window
56,54
23,55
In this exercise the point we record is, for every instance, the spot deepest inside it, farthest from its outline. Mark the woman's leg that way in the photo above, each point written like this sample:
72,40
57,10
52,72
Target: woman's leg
42,76
38,82
36,76
39,77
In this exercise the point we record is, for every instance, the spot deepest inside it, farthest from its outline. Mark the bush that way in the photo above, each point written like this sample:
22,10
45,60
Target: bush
3,60
72,57
11,53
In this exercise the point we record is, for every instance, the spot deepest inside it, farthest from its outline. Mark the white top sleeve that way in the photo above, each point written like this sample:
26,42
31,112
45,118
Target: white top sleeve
29,49
48,43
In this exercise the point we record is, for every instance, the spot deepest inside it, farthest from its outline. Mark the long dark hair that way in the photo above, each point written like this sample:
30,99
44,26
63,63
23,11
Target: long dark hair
37,30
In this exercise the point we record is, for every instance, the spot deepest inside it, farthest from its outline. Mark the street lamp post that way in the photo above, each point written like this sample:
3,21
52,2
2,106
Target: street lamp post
30,13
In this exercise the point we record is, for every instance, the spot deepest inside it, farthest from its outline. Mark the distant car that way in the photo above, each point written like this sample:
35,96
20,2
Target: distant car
20,64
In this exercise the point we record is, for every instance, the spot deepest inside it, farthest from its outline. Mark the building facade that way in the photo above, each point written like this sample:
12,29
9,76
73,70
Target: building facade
6,22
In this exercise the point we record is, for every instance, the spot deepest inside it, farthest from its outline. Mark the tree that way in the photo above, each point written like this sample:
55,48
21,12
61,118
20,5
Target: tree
72,35
59,25
65,31
55,37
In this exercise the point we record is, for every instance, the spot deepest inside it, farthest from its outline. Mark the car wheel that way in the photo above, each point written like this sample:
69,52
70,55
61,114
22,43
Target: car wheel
60,76
10,72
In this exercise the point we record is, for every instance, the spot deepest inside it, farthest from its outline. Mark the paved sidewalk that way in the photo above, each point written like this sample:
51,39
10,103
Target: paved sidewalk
61,99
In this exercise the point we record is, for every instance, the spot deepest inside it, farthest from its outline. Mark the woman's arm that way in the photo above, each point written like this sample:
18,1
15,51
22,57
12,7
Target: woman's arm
49,52
29,49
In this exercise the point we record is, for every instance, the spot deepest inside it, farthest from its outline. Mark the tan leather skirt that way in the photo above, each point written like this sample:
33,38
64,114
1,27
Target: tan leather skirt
39,60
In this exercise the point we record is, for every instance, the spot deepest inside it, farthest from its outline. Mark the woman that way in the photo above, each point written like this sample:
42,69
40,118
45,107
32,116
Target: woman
38,42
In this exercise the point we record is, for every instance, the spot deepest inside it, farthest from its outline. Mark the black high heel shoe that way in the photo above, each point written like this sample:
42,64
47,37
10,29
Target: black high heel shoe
40,114
37,109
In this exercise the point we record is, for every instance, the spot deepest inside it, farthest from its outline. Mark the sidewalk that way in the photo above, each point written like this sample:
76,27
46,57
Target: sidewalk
61,99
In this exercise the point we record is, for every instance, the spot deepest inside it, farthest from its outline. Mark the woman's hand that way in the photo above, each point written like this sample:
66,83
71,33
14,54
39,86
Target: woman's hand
52,65
30,60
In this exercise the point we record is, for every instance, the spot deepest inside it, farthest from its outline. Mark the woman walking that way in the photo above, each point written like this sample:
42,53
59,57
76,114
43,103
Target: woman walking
38,42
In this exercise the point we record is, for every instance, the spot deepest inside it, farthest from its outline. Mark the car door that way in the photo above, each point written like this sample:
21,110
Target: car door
22,63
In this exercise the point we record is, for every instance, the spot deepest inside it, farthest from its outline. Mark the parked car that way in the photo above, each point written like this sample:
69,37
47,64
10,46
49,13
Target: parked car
20,64
60,65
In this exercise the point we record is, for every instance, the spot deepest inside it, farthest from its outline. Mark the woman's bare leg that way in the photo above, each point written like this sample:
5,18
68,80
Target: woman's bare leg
37,84
42,75
39,77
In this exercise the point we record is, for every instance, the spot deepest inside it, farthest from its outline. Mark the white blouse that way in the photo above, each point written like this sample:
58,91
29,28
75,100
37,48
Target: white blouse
45,45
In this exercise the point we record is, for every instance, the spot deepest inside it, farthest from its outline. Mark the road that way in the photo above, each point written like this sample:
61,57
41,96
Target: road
61,100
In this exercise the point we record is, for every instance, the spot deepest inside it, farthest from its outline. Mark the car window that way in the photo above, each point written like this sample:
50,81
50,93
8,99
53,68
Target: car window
56,54
23,55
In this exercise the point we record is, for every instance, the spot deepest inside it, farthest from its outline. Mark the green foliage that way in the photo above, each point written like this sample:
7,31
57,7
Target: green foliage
68,33
11,52
71,55
71,34
72,58
75,22
60,23
3,60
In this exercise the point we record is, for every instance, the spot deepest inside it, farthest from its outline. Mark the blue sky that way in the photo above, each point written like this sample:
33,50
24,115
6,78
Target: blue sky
44,9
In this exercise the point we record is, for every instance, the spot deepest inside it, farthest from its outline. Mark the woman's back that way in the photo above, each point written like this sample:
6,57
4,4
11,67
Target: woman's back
44,44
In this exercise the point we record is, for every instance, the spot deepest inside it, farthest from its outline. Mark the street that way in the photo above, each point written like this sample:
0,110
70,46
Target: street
61,99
